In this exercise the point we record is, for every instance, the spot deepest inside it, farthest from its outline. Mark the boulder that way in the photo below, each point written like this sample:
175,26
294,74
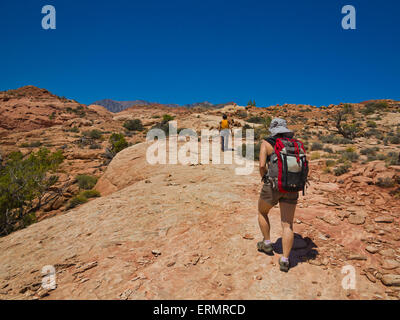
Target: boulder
357,219
391,280
384,219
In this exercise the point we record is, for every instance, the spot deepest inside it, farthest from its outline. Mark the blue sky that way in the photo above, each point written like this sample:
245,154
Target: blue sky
189,51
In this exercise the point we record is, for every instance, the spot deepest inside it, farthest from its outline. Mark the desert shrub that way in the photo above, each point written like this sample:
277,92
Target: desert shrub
349,155
394,139
25,186
385,182
250,156
246,126
164,126
350,131
344,141
76,201
95,146
373,133
342,169
328,138
348,109
91,194
82,198
93,134
371,124
260,133
167,118
327,170
315,156
73,129
34,144
133,125
79,111
391,159
373,107
86,182
316,146
256,119
328,150
369,151
117,143
330,163
242,114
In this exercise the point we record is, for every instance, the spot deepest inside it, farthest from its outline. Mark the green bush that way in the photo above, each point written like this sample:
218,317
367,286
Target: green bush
316,146
76,201
95,146
371,124
350,131
260,133
90,194
349,155
342,169
385,182
25,184
373,133
369,151
315,156
348,109
328,139
168,118
93,134
82,198
328,150
242,114
118,143
330,163
34,144
394,139
246,127
373,107
133,125
260,120
73,129
86,182
256,147
391,159
255,119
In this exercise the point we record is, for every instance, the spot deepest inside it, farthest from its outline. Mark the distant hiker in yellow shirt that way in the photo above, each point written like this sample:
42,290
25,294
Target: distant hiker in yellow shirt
225,131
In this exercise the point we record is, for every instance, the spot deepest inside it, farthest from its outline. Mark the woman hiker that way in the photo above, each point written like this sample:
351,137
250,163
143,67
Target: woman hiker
225,131
269,198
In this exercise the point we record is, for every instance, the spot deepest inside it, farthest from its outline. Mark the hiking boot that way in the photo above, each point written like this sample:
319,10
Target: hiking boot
267,248
283,266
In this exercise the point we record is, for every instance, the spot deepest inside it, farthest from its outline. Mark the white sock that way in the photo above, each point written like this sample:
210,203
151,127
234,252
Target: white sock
285,259
267,241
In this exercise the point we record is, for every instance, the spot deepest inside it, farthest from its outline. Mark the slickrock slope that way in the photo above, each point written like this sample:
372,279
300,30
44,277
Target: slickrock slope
190,232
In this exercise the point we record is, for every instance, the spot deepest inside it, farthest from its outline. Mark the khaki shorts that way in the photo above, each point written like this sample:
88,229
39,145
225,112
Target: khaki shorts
272,197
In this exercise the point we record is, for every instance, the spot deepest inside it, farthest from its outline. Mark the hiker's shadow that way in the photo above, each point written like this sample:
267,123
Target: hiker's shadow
304,249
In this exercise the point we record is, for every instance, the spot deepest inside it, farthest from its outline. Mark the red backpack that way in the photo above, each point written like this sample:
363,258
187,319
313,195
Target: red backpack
288,166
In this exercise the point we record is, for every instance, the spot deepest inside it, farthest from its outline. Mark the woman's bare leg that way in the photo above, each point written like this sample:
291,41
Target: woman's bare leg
287,216
263,220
